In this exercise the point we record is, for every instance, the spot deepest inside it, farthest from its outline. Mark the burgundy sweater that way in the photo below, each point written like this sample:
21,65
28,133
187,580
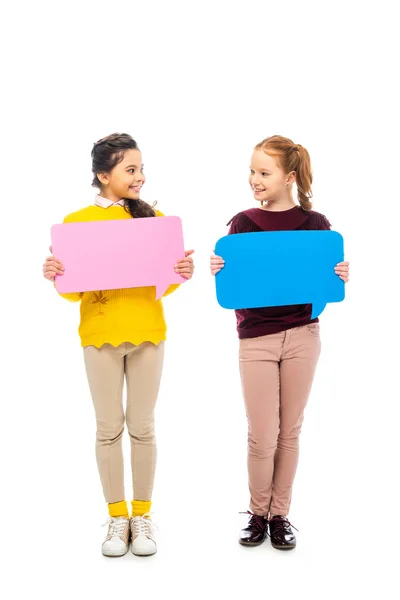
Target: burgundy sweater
254,322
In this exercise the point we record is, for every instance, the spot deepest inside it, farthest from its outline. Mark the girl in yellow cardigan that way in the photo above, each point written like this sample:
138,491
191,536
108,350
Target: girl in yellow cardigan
122,334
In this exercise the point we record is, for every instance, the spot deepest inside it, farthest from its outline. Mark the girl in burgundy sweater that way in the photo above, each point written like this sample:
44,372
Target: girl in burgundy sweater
279,346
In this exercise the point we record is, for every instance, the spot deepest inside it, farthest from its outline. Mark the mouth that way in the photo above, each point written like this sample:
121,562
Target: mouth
135,188
258,191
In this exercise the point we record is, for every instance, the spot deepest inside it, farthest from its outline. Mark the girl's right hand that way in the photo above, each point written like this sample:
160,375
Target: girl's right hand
52,267
216,264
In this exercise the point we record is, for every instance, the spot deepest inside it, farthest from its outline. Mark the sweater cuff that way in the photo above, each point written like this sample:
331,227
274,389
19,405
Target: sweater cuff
73,297
171,289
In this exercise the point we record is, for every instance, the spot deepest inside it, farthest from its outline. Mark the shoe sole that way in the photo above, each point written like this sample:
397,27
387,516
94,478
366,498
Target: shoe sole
139,554
283,547
251,543
115,555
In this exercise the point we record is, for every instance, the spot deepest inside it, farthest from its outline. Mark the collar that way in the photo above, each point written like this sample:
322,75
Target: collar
105,203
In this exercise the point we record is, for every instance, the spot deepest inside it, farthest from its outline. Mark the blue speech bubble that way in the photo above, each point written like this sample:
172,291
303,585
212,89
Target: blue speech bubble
279,268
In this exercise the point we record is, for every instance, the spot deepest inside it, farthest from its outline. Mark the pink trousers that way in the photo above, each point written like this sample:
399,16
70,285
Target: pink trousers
277,372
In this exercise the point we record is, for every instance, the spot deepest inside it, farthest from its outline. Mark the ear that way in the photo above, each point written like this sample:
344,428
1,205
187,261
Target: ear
291,178
103,178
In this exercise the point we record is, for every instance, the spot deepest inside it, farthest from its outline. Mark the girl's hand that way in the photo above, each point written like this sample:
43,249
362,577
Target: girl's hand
216,264
185,266
342,269
52,267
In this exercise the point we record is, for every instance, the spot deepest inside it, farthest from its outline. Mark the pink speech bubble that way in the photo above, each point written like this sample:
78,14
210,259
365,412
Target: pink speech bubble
109,255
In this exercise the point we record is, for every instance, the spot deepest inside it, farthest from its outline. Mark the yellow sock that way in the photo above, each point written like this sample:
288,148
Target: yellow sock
140,507
118,509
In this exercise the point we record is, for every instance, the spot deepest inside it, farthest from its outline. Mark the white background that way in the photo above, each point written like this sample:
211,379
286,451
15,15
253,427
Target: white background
198,85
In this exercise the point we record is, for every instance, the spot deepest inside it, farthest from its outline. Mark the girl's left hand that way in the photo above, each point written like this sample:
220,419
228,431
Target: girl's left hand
342,269
185,266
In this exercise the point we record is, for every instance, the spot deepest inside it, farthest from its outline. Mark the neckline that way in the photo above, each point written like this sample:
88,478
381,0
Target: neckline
277,211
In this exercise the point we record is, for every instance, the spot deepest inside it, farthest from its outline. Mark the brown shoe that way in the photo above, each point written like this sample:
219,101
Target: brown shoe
255,532
281,534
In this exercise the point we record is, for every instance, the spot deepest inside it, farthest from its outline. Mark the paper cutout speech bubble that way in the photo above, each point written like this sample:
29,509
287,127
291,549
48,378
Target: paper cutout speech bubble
279,268
108,255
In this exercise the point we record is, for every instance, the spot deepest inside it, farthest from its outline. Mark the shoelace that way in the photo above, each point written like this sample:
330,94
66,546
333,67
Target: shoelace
142,525
281,524
117,525
256,521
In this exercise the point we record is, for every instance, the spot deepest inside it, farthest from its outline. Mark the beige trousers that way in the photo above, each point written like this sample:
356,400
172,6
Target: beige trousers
106,368
277,372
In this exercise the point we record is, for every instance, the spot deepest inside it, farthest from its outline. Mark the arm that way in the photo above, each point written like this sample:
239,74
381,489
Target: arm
73,297
217,262
184,266
342,269
53,267
321,223
171,289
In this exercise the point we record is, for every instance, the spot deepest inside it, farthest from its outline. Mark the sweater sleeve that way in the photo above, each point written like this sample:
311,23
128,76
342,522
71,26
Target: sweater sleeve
171,289
241,223
317,221
72,297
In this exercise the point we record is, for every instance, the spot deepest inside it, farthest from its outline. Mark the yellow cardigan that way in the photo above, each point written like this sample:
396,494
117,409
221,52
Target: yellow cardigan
117,316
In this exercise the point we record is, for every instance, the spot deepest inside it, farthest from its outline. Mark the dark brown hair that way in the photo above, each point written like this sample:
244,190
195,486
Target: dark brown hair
292,157
106,154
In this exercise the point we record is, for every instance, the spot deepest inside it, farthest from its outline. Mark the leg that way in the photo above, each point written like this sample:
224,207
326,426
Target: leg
300,356
105,373
259,370
143,375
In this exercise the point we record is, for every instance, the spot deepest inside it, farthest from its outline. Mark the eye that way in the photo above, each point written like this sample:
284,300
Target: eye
265,174
251,172
131,170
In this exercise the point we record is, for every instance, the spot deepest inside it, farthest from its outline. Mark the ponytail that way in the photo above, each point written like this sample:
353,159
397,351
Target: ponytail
139,208
304,179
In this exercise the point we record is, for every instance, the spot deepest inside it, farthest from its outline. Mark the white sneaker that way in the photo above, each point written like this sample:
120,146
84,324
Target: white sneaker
142,536
117,540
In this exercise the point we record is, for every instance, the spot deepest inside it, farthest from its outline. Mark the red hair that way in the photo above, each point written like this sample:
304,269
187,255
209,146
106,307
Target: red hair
292,157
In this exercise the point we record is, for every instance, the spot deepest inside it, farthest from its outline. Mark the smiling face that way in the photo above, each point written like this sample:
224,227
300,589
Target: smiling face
126,179
268,180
